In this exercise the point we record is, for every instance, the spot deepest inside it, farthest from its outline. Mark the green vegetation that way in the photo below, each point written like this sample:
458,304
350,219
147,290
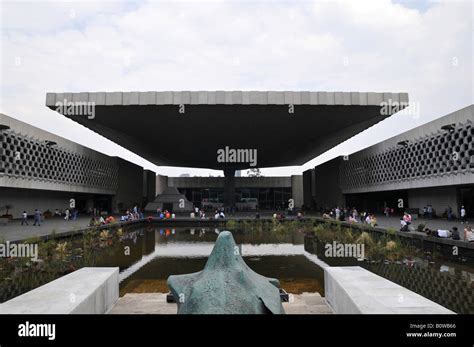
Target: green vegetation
376,246
56,257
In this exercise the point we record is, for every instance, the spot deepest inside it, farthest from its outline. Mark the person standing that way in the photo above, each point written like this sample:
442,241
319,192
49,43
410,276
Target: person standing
463,215
425,212
37,218
449,213
430,212
24,218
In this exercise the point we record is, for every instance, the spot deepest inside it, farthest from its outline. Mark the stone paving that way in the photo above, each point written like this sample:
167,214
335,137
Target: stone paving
155,303
14,231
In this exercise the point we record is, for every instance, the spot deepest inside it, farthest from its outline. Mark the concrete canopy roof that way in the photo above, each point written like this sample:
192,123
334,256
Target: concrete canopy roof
151,125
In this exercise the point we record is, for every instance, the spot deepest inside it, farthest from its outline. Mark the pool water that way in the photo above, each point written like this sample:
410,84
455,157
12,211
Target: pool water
175,251
148,254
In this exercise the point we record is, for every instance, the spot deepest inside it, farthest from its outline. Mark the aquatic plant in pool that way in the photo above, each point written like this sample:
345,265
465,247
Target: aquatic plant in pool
56,257
377,247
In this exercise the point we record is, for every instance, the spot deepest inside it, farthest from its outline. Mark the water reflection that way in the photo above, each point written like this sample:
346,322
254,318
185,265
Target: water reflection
185,250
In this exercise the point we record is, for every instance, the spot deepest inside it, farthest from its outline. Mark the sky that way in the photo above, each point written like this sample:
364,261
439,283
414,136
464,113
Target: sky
423,48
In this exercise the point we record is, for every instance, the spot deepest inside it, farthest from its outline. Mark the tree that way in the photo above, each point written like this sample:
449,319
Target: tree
254,172
7,207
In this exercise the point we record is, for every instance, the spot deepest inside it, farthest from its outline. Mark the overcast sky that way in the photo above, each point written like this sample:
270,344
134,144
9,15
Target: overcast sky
423,48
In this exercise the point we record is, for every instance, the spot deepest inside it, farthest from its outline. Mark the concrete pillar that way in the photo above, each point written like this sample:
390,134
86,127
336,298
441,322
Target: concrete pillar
229,187
89,202
297,190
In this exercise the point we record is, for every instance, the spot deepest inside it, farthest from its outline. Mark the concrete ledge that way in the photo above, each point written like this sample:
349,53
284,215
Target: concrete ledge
235,97
90,290
354,290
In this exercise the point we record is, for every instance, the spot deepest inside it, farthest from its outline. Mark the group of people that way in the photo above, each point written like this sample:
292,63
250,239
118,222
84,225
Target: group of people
200,213
388,211
164,214
468,234
429,213
340,213
352,215
370,219
133,214
70,215
36,216
98,221
219,213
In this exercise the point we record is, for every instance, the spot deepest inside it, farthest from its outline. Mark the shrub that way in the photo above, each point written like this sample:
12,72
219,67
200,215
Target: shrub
365,238
231,224
391,231
391,245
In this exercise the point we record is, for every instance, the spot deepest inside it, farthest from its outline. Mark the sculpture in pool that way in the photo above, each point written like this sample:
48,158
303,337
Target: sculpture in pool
226,285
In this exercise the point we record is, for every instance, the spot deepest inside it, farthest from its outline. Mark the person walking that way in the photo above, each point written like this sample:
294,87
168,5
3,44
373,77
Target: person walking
449,213
24,218
37,218
463,215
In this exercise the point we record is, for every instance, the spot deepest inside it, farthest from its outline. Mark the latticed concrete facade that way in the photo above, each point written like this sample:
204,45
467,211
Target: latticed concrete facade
41,170
444,153
432,164
24,157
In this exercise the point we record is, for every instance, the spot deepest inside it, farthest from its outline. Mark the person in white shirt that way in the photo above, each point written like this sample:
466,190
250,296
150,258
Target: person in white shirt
367,219
463,215
444,233
24,218
468,234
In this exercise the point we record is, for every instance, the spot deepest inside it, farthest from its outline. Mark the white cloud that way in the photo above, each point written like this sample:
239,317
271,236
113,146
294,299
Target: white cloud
348,46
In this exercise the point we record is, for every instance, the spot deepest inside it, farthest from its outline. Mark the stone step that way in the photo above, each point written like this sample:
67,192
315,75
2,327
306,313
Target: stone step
155,303
143,303
307,303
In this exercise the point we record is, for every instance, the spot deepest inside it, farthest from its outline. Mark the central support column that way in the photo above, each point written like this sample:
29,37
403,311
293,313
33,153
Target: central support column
229,187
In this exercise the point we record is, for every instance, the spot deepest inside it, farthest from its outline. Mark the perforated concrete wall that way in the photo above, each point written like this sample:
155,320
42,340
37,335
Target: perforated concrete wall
31,159
442,154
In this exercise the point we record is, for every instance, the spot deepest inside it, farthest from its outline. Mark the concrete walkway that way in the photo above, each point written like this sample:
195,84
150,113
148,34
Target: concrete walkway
14,231
155,303
394,222
434,224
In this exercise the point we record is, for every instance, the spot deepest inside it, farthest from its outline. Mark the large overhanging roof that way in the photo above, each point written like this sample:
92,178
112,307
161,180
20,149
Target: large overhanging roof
151,125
